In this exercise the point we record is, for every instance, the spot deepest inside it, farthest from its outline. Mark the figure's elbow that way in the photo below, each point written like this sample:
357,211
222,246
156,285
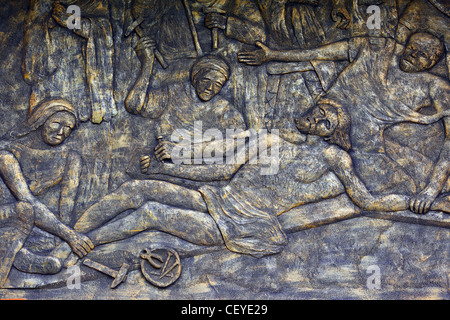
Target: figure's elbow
132,104
337,157
227,173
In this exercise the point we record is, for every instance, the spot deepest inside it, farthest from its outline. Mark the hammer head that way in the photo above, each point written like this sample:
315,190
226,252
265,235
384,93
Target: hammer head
133,26
121,275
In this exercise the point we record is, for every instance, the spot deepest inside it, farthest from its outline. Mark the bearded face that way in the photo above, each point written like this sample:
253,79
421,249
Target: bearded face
322,121
421,53
329,122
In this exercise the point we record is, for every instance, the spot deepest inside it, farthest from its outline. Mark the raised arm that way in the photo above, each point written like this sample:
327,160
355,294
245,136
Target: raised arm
136,98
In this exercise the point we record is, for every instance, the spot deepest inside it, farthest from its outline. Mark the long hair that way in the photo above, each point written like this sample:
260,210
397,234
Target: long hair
341,135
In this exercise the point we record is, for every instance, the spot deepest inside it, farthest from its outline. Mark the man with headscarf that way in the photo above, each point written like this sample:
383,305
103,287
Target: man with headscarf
27,176
179,106
432,16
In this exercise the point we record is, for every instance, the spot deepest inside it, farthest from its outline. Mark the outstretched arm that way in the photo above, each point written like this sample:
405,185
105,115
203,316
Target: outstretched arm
334,51
236,152
341,164
185,168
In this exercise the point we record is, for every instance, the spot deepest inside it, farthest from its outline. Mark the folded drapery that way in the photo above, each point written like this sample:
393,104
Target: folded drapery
76,65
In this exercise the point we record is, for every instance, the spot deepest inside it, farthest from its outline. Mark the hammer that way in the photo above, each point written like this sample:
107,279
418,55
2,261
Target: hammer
119,276
135,26
214,31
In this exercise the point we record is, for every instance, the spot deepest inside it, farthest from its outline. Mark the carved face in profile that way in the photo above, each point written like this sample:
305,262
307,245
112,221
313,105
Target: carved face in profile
58,127
322,121
328,122
421,53
209,84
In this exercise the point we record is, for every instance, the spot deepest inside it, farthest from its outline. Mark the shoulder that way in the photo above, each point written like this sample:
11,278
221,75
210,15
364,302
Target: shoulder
221,103
437,89
74,156
225,108
336,155
438,83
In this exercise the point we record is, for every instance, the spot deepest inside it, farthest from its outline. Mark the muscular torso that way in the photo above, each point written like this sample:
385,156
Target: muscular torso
303,177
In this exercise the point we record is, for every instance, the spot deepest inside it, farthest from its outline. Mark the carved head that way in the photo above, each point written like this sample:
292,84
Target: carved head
208,75
421,53
58,127
327,121
56,118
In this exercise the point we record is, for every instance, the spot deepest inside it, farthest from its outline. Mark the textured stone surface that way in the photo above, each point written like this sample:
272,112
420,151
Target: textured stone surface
339,228
329,262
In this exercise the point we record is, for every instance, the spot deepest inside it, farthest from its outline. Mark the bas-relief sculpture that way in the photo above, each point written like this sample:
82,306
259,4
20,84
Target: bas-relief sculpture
225,149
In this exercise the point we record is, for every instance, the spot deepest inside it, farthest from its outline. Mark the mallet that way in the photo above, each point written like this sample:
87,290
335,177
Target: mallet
214,31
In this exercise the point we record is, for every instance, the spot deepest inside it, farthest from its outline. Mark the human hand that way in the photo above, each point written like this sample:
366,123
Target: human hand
163,150
150,165
81,245
215,20
256,57
421,202
145,49
145,163
341,16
